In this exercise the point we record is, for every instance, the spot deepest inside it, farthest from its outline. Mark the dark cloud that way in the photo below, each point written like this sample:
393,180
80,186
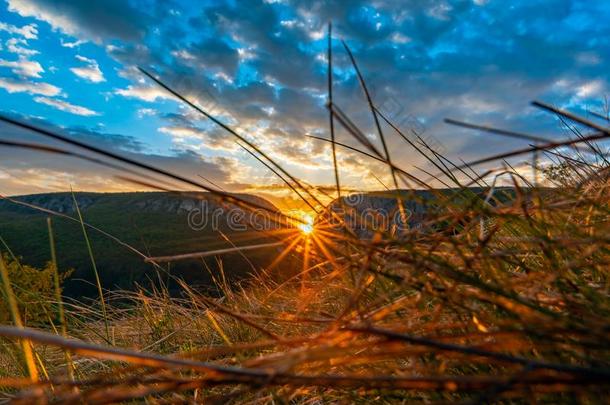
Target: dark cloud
91,19
211,53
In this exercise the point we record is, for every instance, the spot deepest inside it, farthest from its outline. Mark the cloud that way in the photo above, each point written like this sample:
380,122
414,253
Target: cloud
211,53
146,112
594,87
23,67
182,132
20,86
29,31
65,106
20,181
399,38
32,171
145,93
13,45
72,44
91,72
440,11
93,19
192,137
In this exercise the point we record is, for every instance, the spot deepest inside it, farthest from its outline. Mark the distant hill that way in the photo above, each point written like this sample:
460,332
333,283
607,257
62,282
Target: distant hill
159,224
379,209
156,223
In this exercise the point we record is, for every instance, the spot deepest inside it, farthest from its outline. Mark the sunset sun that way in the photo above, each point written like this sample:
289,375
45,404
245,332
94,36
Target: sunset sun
306,227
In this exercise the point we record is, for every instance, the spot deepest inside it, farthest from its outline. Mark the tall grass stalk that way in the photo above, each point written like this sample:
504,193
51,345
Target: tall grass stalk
98,282
26,345
58,298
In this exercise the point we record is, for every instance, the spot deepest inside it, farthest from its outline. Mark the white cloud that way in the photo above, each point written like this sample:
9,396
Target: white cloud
399,38
27,31
18,86
440,11
55,18
194,138
288,23
71,44
245,54
146,112
23,67
317,35
579,90
181,133
590,89
184,55
65,106
14,45
145,93
91,72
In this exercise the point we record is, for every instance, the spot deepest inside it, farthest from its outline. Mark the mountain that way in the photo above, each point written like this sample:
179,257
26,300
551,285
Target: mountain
161,224
366,213
155,223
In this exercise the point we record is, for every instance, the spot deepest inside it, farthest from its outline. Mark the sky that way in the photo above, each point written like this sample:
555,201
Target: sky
260,66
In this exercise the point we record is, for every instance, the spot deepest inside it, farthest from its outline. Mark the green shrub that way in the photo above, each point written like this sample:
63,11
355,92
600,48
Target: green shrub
34,291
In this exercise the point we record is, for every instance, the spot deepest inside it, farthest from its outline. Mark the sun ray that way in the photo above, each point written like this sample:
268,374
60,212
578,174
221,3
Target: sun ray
319,243
286,251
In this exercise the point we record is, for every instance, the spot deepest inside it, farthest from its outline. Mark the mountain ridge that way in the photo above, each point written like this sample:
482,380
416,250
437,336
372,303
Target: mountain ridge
155,223
63,201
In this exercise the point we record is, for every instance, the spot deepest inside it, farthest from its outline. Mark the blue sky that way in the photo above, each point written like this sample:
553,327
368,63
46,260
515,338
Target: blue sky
260,65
